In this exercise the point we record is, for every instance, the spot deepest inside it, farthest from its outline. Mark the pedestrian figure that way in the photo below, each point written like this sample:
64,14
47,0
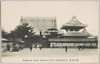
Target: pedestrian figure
80,46
66,48
30,48
83,46
40,47
8,47
35,46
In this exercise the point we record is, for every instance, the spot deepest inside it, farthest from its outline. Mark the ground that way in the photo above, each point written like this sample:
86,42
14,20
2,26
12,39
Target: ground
51,55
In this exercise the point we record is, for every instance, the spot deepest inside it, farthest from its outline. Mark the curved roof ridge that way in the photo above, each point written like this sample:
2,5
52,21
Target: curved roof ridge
72,20
38,17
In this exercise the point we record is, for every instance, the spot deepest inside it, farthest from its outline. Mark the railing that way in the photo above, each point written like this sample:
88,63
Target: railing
67,39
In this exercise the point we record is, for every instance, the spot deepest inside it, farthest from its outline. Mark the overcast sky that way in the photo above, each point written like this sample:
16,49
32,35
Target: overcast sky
86,12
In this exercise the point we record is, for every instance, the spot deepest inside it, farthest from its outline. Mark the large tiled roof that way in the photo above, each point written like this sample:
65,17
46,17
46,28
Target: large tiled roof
40,23
73,23
83,33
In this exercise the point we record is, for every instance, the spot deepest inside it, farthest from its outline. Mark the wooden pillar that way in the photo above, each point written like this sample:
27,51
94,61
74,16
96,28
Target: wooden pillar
97,44
90,44
85,43
68,45
62,44
74,45
56,44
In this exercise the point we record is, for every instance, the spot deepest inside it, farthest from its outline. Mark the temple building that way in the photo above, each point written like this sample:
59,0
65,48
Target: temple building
73,36
39,23
50,36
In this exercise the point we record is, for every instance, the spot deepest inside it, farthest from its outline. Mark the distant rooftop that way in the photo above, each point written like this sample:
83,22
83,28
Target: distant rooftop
86,32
